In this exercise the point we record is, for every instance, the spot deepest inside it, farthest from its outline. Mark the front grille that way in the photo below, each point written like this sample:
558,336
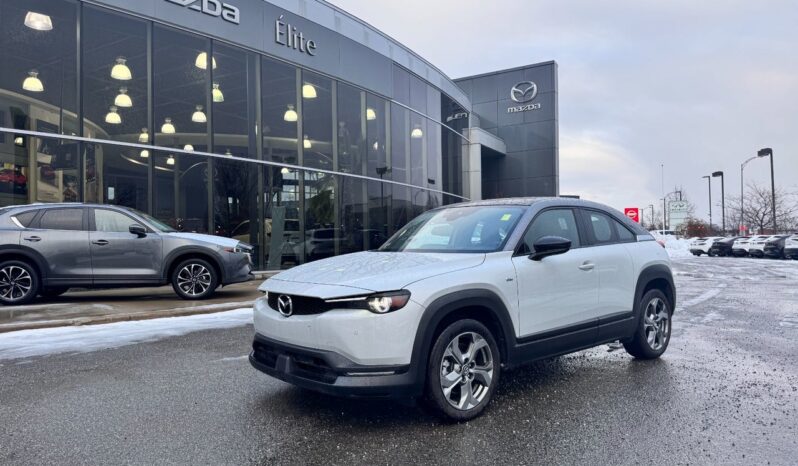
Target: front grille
301,305
305,366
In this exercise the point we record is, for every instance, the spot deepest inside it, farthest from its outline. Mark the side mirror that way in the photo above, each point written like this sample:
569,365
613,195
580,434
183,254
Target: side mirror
550,246
138,230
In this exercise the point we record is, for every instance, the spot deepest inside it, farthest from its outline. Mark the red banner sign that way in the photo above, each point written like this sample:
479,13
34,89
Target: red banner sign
633,213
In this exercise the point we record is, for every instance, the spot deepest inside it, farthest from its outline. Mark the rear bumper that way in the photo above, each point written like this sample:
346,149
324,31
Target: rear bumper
329,372
791,253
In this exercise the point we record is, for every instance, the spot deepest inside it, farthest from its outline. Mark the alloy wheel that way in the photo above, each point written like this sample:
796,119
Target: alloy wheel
194,279
657,324
15,283
466,371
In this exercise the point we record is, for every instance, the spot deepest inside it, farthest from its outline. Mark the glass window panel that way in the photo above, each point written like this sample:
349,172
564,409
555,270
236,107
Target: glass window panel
182,88
378,166
556,222
317,121
62,219
418,94
38,91
111,221
111,44
321,232
433,139
352,108
418,149
401,85
282,233
279,108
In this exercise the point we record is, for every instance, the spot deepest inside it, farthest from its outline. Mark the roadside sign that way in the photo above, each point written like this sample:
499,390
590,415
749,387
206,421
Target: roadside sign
633,213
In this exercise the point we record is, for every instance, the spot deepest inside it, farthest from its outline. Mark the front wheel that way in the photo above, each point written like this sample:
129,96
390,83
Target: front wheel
654,328
19,283
463,370
195,279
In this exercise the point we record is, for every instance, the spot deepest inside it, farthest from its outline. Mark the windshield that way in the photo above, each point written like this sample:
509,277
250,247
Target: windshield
457,229
155,223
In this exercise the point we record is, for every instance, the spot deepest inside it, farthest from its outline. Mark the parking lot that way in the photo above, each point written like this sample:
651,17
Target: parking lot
723,393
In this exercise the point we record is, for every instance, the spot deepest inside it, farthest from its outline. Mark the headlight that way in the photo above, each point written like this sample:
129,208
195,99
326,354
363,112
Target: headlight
240,248
379,303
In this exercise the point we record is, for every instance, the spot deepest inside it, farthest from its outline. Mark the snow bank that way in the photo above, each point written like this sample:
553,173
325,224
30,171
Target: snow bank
40,342
677,248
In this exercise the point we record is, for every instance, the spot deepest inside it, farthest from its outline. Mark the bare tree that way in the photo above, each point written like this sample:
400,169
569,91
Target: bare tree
758,210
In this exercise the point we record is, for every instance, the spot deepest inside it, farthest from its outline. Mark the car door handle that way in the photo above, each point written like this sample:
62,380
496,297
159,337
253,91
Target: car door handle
587,266
100,242
33,239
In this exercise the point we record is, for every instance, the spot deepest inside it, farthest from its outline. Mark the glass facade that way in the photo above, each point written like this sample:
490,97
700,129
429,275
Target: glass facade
304,166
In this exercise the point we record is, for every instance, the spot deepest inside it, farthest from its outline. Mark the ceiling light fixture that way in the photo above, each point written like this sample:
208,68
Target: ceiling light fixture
417,133
121,71
38,21
170,160
202,61
290,114
168,127
19,141
199,116
371,114
308,91
285,170
144,136
144,154
32,83
188,147
217,93
123,100
306,142
112,117
228,153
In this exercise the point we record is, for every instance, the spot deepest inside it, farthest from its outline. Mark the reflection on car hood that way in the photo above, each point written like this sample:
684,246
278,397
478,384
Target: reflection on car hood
217,240
379,271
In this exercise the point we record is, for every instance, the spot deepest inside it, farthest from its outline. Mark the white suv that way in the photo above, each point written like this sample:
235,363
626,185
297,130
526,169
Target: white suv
702,245
462,293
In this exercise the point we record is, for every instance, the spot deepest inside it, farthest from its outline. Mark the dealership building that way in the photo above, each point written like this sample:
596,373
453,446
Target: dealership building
288,124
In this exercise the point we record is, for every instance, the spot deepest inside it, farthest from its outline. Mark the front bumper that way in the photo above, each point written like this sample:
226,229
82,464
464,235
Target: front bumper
330,373
792,253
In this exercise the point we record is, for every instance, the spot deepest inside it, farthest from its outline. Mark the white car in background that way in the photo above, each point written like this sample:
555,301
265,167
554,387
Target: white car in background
791,247
756,246
701,245
740,246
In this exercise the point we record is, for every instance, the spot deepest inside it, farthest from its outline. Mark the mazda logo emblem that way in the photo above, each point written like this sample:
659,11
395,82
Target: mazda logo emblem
284,305
524,91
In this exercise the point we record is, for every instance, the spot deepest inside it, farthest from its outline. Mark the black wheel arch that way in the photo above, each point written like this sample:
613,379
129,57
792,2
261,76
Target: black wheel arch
657,276
13,252
192,252
482,305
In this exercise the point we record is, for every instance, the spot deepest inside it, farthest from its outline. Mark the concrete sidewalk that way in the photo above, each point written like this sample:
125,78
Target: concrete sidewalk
120,304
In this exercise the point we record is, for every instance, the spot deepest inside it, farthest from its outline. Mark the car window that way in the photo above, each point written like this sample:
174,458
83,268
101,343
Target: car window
555,222
624,235
111,221
25,218
601,226
62,219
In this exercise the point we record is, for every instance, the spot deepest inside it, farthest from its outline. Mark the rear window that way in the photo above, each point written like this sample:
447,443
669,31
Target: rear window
25,218
62,219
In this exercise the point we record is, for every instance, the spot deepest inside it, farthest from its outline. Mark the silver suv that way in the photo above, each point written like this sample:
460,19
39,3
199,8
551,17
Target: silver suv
47,248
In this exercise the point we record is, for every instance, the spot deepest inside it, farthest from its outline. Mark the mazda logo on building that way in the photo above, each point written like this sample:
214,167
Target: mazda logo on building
284,305
524,91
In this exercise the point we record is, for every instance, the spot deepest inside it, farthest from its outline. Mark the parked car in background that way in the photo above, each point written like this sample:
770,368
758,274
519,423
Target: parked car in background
740,246
47,248
774,247
756,247
791,247
701,245
722,247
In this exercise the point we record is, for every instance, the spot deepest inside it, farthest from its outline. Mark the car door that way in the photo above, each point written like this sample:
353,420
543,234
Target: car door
557,294
610,244
61,237
119,255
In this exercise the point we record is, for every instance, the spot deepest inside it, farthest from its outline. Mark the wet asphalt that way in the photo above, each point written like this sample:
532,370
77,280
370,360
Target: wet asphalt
726,391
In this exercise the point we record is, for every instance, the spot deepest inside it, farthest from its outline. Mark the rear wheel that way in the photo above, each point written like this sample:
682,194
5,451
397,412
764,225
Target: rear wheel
654,328
19,283
195,279
463,370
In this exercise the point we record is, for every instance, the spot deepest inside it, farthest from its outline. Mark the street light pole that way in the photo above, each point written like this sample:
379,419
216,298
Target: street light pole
651,206
709,179
722,198
768,152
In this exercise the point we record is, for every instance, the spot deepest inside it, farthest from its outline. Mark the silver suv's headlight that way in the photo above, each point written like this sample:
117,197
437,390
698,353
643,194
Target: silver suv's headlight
379,303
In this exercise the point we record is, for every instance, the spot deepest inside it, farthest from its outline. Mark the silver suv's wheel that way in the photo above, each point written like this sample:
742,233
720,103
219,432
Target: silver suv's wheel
194,279
19,283
463,370
654,328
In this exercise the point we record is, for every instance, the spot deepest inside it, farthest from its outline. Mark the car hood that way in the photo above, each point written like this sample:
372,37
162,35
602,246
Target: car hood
216,240
375,270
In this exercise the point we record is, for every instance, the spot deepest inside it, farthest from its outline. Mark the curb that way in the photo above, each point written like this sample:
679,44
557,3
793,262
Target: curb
130,316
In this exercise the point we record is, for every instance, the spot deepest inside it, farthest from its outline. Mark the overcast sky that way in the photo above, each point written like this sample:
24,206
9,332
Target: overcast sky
698,86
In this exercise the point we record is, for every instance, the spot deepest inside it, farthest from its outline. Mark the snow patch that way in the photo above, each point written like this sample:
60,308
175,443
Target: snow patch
678,248
705,296
82,339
